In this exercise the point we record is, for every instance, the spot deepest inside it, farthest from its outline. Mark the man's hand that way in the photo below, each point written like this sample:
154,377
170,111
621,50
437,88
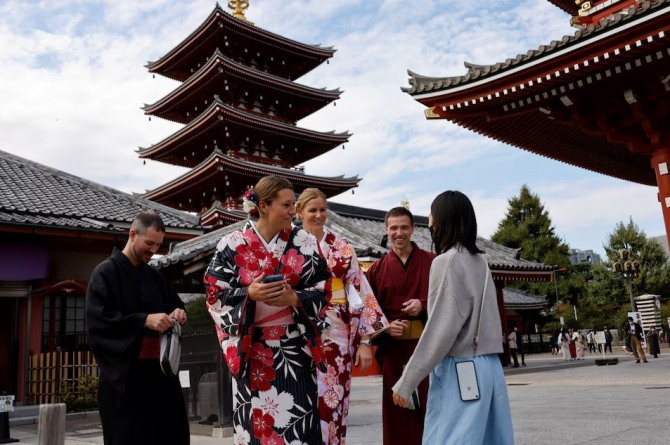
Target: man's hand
397,328
412,307
158,322
179,315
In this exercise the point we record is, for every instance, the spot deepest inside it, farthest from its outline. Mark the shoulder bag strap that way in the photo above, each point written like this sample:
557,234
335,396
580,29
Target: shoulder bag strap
481,309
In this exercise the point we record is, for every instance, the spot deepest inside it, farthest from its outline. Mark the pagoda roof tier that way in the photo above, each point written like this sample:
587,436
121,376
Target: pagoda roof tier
229,128
206,183
282,56
218,216
597,99
232,81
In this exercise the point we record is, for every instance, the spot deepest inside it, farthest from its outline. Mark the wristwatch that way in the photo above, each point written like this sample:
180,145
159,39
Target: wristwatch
366,341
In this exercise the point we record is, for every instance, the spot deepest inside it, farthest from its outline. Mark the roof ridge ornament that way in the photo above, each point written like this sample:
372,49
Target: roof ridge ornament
238,7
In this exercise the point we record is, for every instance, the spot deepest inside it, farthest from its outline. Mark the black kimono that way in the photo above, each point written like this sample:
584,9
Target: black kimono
138,404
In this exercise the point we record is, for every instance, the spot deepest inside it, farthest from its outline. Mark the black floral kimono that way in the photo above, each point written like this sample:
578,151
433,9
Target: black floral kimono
274,385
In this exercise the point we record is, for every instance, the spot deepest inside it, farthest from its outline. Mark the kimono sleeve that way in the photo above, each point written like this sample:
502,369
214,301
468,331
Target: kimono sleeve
108,327
312,294
225,297
372,319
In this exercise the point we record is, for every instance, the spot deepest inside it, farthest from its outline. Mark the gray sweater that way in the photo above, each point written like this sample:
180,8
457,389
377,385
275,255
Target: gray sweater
454,299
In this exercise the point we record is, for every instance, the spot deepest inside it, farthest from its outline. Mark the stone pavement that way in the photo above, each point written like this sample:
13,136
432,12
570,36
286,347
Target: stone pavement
552,401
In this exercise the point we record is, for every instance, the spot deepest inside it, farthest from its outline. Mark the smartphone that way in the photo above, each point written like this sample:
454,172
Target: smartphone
273,278
467,381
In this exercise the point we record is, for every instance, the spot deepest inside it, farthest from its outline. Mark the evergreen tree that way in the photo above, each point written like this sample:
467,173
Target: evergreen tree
527,226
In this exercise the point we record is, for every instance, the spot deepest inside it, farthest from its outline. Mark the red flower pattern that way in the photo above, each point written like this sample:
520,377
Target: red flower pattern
272,439
260,376
262,423
273,332
233,359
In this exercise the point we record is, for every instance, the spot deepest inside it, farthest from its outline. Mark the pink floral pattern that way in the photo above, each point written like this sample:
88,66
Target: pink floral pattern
362,316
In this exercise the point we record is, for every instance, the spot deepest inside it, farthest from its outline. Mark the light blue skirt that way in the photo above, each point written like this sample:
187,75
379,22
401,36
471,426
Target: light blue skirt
450,421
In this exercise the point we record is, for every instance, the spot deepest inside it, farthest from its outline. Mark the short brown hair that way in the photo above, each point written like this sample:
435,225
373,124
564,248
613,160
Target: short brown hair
307,195
398,211
146,219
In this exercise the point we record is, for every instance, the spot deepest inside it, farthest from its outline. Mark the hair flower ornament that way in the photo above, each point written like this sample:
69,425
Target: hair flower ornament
250,203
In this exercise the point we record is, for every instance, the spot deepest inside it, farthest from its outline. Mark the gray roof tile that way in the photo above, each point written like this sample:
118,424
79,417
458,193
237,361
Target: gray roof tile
364,234
34,194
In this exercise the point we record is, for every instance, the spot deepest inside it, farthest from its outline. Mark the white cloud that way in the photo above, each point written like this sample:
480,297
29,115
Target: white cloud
73,82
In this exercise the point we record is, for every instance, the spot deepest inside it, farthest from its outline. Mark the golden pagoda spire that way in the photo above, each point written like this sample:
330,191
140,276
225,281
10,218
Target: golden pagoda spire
238,7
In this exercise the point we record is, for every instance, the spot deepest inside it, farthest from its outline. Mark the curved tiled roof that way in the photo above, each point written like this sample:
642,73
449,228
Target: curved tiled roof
217,158
218,111
316,97
33,194
219,19
521,299
365,235
421,84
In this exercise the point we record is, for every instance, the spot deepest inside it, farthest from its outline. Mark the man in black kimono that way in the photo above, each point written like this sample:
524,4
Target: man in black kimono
128,304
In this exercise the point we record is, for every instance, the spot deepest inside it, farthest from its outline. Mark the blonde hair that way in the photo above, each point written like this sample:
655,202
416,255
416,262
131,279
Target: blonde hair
307,195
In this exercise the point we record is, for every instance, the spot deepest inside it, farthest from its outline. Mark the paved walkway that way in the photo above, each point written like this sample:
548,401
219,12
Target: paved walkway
553,402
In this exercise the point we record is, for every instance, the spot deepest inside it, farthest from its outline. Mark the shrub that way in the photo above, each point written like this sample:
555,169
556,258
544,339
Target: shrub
80,394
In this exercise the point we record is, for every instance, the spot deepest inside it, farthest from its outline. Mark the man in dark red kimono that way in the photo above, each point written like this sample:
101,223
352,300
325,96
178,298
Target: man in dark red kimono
128,304
400,283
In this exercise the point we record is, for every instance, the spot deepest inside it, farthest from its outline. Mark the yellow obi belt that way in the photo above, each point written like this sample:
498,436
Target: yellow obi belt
339,296
414,330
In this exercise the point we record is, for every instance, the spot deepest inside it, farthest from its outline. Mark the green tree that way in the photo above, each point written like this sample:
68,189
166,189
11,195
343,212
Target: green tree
610,291
528,227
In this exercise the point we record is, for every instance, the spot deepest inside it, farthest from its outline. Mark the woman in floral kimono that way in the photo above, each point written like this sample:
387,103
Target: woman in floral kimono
269,330
353,315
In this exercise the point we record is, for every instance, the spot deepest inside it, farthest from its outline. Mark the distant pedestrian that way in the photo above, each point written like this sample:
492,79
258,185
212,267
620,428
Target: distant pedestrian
511,342
572,345
654,347
553,343
591,340
634,330
564,343
608,339
580,343
519,346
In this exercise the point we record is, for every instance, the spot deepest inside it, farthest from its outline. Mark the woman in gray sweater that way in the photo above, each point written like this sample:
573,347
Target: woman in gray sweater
460,290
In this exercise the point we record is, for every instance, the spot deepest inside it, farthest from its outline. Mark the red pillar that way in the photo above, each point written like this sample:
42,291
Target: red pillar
660,162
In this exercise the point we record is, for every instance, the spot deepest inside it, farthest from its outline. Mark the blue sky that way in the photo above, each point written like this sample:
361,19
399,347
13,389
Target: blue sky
73,82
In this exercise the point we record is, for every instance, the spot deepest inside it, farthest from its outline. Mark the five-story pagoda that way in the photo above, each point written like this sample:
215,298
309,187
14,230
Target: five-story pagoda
240,105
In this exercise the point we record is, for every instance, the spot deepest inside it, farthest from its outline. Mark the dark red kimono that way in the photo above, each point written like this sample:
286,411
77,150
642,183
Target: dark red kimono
394,283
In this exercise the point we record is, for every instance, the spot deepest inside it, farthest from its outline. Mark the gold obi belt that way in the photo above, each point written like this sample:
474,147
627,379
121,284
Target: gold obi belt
413,331
338,295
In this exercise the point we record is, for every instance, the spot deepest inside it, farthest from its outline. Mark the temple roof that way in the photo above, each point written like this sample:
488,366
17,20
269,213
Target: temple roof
34,195
521,299
221,30
568,6
210,129
209,175
422,87
597,99
365,235
230,81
